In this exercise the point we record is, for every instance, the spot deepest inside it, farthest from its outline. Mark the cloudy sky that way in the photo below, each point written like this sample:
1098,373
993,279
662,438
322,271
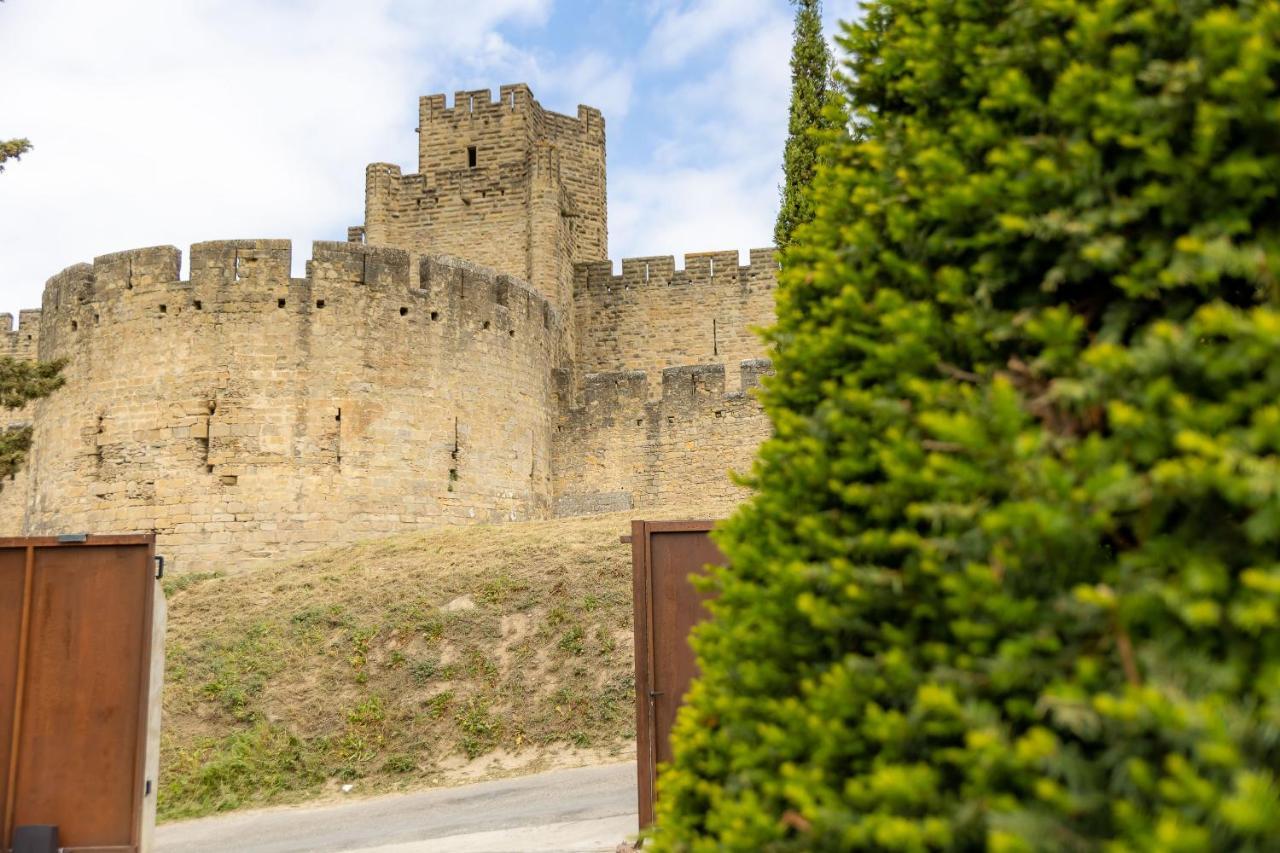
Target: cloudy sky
175,121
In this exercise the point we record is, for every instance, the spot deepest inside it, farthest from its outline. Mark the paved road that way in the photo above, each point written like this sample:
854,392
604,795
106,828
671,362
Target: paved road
591,808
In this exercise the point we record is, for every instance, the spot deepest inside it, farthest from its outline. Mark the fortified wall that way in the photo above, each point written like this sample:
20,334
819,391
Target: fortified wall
241,413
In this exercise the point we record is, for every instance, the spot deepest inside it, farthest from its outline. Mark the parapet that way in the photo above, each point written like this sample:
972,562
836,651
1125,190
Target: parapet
240,275
659,271
617,397
470,103
20,343
480,104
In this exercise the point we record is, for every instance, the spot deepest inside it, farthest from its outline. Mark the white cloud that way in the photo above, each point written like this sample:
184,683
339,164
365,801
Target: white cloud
687,29
713,184
173,122
159,122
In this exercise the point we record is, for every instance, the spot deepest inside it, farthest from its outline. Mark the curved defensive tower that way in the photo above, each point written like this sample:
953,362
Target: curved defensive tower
243,410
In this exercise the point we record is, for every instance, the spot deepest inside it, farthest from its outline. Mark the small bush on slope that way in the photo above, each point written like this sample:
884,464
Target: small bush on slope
1012,577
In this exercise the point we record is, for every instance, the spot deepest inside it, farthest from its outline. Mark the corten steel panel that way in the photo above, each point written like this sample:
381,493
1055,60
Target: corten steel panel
12,579
667,606
79,719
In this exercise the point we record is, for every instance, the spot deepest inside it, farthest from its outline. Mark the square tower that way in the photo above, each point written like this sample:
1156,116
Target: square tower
502,183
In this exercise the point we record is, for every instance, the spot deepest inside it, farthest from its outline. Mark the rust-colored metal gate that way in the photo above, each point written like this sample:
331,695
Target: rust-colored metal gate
664,554
76,684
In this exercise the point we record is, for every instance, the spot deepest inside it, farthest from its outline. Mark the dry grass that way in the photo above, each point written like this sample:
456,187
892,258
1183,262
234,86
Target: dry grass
426,659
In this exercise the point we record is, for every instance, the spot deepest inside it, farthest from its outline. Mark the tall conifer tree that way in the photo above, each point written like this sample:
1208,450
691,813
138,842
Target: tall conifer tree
810,73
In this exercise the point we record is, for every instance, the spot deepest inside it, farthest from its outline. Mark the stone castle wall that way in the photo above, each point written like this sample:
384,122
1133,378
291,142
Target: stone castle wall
244,412
653,316
616,449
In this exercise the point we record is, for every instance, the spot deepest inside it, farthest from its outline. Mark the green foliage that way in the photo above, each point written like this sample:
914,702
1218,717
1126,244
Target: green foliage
174,584
1010,579
24,381
20,383
250,766
810,76
13,149
14,444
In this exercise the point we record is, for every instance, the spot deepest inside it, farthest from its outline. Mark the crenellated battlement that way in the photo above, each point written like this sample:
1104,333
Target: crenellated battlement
659,271
22,342
462,356
472,105
619,450
501,181
253,277
687,389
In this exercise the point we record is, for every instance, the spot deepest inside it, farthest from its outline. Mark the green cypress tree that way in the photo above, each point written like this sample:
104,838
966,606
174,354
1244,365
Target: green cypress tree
810,76
1010,580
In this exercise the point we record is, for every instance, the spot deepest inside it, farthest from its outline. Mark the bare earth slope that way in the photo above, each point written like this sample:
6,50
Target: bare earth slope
428,659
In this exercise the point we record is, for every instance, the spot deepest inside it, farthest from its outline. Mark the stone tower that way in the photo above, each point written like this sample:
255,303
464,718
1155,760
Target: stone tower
504,183
469,354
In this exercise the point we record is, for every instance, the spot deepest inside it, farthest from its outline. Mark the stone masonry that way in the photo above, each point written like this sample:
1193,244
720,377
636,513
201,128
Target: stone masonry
467,355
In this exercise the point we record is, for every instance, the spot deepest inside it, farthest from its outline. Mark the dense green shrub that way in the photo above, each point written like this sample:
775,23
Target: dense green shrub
1012,576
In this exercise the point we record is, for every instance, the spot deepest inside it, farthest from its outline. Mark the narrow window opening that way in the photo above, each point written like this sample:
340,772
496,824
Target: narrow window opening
403,311
279,303
671,419
719,413
74,325
319,303
435,315
28,337
486,324
471,103
639,421
513,100
471,156
713,266
646,273
715,337
208,469
97,319
453,475
199,306
338,416
512,332
164,309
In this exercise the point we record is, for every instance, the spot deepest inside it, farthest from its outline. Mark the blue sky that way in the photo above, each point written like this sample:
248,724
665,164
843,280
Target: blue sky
176,121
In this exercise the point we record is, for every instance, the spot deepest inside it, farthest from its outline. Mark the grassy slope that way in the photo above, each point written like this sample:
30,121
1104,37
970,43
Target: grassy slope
419,660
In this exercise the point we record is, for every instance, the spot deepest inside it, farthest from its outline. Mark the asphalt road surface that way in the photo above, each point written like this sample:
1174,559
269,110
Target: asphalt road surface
586,809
